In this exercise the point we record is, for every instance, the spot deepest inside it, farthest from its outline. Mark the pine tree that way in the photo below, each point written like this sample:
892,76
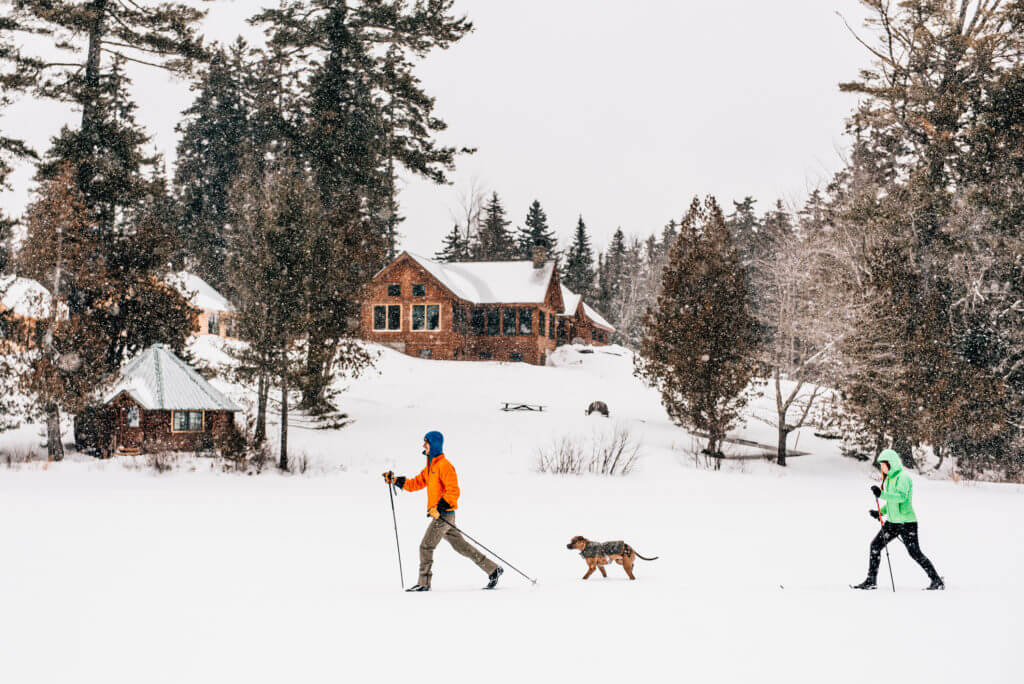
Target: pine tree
495,241
364,113
699,348
215,134
536,233
744,226
614,276
455,247
579,263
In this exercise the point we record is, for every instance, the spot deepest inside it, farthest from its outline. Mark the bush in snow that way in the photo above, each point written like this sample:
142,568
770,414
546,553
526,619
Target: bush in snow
610,453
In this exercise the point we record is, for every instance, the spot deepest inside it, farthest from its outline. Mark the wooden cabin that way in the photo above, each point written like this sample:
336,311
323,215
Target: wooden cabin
25,303
579,323
473,311
160,403
217,315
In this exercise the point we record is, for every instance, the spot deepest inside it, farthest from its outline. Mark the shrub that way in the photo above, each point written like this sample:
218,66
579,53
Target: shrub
615,453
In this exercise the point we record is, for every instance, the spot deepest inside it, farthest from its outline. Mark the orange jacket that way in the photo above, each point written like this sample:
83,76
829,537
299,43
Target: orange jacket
440,480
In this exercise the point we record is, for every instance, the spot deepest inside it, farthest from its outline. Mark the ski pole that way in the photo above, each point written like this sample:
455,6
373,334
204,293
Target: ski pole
394,519
452,525
888,560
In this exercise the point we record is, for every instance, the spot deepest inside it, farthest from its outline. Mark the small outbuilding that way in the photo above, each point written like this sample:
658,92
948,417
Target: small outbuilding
217,315
580,322
162,403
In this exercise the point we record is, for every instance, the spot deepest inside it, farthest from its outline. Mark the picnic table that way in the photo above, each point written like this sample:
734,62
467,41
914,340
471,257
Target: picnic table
521,406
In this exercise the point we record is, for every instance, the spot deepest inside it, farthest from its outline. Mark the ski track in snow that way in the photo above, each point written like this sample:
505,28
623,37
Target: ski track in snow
114,575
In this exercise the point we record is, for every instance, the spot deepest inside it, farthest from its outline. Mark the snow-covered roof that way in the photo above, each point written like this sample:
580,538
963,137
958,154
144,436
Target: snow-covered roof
158,380
199,293
491,282
24,297
572,302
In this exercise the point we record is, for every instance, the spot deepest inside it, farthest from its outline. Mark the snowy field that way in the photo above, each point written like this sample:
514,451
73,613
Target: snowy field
119,575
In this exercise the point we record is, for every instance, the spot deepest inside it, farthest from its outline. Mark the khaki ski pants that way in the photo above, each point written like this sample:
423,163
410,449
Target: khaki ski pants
438,530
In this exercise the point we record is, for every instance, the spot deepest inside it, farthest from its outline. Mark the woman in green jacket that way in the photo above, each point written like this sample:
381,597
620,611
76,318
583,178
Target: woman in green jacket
897,492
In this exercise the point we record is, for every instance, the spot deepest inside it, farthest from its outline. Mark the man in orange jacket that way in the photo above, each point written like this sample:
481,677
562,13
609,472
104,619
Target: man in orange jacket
442,499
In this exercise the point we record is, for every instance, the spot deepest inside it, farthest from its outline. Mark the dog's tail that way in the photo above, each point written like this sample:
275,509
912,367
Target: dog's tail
644,557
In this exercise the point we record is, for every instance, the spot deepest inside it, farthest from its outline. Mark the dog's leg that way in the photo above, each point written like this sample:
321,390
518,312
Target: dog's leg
590,569
603,573
627,565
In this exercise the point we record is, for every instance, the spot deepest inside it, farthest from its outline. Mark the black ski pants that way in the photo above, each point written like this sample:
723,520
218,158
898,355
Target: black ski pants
907,532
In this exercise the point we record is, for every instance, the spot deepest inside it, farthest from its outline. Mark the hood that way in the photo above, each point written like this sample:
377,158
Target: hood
893,459
436,441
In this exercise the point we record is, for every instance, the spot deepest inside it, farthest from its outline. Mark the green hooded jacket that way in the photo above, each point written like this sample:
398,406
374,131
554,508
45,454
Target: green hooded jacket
897,490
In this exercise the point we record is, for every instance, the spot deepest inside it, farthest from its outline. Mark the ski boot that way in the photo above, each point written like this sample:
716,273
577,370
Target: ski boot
492,579
866,584
418,587
936,585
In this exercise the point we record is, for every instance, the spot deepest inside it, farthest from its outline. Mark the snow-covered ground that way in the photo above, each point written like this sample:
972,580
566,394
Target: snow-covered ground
111,574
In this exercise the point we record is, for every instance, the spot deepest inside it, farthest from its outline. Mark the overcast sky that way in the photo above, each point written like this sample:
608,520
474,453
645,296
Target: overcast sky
619,111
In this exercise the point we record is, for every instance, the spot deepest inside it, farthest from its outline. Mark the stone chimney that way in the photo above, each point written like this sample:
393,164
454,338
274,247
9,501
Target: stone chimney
540,255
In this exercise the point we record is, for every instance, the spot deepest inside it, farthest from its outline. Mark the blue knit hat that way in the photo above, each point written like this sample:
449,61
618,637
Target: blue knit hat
436,441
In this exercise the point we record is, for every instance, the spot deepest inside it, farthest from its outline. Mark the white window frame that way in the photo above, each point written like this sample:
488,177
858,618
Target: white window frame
425,329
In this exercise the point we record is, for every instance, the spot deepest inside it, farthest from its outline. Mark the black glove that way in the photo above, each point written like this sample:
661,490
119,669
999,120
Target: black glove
400,482
443,506
874,514
876,490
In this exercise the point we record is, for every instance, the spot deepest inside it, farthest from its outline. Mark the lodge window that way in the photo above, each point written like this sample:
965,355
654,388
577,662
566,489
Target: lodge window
213,323
187,421
426,353
230,326
458,318
485,356
394,290
593,335
477,321
426,317
133,417
551,326
508,321
419,290
493,321
600,337
515,356
387,317
526,321
540,323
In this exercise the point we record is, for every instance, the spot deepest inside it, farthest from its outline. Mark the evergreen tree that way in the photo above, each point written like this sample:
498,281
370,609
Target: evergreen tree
536,233
363,111
215,134
614,275
455,247
699,347
579,263
495,241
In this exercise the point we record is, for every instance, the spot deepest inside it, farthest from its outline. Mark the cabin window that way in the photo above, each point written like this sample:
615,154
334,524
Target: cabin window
419,290
230,326
426,317
458,318
426,353
485,356
394,290
526,321
187,421
593,335
515,356
477,322
600,337
540,324
133,417
551,326
493,321
213,323
508,321
387,317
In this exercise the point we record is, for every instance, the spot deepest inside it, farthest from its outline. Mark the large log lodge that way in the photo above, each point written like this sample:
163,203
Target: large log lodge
502,311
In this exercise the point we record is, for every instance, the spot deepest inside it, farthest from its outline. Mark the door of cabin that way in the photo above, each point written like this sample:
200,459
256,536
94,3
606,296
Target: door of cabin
129,428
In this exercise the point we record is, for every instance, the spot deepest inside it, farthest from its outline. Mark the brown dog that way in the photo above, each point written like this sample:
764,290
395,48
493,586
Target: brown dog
599,554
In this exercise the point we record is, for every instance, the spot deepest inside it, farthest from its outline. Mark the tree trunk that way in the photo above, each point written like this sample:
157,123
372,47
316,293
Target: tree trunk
89,96
938,453
780,457
905,448
54,443
262,391
283,463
